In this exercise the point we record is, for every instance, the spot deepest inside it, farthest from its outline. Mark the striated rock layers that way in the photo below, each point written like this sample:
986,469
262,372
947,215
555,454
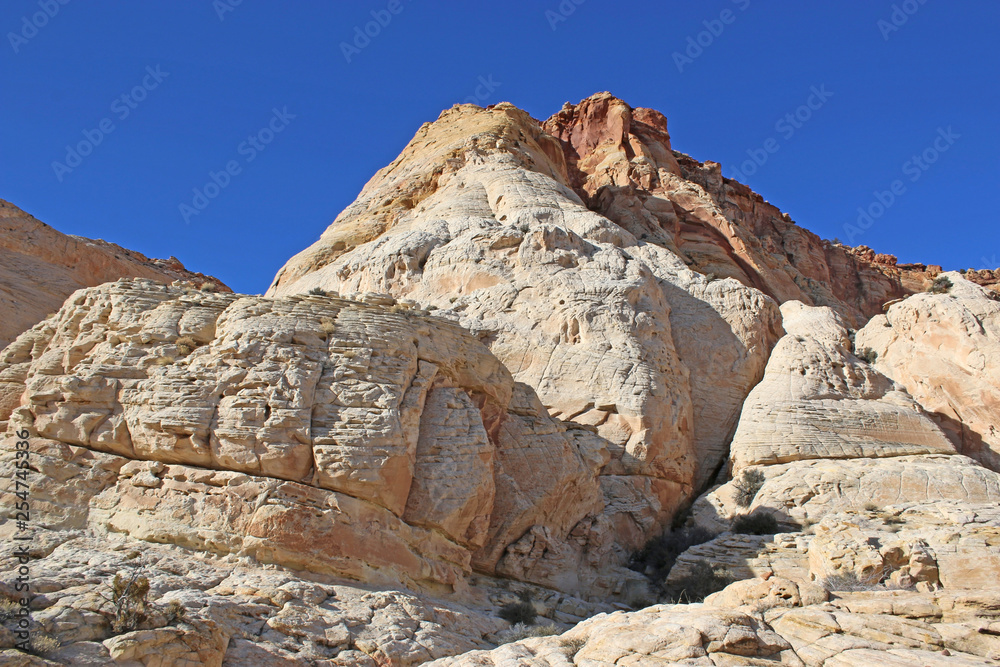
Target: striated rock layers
322,434
40,267
945,349
307,479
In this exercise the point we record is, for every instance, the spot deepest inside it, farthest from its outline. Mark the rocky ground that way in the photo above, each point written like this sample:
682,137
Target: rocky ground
545,394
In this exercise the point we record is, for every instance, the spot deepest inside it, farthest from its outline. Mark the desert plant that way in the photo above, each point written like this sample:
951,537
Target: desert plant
129,599
207,287
8,609
518,613
163,361
174,611
747,485
521,631
940,285
701,581
758,523
868,355
572,646
327,325
42,644
852,582
659,554
186,345
317,291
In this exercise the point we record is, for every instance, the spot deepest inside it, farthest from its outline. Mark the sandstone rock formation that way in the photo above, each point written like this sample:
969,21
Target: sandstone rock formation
553,337
819,401
892,628
945,349
41,267
477,218
292,427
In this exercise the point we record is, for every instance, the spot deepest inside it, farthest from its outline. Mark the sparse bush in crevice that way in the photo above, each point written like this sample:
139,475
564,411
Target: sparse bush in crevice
174,611
317,291
41,644
572,646
658,556
130,601
852,582
747,485
8,608
868,355
702,580
940,285
186,345
521,631
518,613
758,523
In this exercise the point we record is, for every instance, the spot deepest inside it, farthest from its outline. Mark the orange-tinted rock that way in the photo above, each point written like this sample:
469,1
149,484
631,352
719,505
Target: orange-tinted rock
41,267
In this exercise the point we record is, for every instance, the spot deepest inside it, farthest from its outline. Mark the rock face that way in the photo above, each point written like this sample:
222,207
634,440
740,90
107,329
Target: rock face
477,218
290,427
945,349
553,337
41,267
896,629
819,401
619,160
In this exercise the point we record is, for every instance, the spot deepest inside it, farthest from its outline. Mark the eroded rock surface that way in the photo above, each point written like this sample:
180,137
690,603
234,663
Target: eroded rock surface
945,349
323,434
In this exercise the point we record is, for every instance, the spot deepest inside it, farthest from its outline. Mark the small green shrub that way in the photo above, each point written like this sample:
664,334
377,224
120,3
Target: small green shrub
940,285
521,631
868,355
700,582
758,523
317,291
518,613
747,485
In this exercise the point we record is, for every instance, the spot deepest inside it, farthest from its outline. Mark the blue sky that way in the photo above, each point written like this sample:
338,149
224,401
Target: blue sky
887,82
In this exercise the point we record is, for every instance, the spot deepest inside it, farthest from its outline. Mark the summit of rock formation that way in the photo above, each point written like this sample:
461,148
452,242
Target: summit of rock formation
547,393
41,267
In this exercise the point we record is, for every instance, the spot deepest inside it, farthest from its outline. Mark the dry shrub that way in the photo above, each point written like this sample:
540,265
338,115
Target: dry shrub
747,485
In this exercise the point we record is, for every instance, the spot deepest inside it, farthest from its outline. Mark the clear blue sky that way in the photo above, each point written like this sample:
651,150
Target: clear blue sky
220,79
